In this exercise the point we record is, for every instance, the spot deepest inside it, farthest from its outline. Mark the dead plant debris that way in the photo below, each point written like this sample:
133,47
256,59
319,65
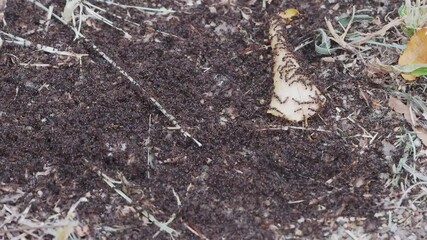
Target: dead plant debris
87,155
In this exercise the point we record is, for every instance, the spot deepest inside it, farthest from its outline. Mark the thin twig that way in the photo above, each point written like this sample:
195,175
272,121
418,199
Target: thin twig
195,231
286,128
149,147
381,32
349,23
12,39
351,235
338,38
42,226
161,10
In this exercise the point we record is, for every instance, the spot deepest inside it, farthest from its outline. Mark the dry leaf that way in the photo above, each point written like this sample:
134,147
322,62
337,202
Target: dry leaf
402,108
295,97
388,149
421,134
415,52
399,107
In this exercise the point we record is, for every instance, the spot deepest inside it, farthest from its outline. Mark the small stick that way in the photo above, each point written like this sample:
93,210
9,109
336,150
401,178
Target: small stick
351,235
139,87
195,231
26,43
349,24
149,147
381,32
156,10
286,128
338,39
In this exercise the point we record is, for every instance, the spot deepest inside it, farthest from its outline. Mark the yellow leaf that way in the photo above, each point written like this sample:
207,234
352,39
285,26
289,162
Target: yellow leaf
289,13
415,52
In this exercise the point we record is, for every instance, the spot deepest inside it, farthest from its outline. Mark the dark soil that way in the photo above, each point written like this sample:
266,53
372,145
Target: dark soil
247,181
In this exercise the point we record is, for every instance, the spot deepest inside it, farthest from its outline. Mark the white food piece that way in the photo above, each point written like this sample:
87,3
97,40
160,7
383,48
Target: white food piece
295,98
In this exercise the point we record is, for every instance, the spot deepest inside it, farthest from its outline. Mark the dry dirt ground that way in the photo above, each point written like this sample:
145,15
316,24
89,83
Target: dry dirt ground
64,123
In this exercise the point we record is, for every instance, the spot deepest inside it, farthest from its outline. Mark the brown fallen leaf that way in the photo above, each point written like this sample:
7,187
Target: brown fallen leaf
399,107
415,52
421,134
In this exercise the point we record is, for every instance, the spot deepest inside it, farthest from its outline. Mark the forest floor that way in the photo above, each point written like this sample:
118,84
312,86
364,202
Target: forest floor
85,149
